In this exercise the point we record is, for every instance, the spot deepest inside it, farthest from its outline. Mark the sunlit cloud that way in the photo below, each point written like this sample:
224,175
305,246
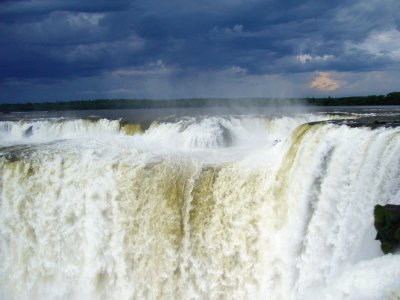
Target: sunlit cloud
154,68
236,29
381,43
324,82
80,19
237,70
306,58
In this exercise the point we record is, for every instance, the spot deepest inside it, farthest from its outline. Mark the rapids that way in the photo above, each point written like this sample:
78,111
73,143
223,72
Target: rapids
234,207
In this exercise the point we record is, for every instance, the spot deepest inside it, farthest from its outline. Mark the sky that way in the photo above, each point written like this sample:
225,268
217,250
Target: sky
56,50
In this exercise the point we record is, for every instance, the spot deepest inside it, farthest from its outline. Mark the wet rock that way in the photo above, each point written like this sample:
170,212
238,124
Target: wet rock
28,132
226,136
372,122
387,225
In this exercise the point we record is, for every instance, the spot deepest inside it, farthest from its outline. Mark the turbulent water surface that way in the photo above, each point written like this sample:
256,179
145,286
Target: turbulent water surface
199,207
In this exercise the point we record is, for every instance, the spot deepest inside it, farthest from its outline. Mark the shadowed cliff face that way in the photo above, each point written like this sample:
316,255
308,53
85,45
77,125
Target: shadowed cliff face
279,209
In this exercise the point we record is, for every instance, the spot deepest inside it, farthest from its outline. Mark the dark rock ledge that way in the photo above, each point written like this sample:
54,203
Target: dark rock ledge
372,122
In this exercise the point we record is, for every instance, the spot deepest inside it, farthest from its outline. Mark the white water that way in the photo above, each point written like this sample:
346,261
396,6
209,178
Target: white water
210,208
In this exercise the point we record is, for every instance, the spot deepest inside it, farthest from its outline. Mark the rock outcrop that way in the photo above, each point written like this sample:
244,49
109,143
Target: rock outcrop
387,224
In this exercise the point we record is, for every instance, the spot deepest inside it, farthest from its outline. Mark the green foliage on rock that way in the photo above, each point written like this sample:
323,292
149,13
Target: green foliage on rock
387,225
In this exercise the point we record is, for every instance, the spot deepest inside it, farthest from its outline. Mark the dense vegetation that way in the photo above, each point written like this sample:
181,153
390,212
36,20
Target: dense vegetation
389,99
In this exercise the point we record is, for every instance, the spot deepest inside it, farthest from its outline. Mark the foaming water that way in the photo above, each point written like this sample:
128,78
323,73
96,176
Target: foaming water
196,208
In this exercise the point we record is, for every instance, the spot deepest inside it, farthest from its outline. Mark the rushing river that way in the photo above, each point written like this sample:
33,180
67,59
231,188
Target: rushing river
239,206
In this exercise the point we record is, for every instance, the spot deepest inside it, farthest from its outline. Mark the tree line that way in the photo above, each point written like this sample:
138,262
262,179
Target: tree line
389,99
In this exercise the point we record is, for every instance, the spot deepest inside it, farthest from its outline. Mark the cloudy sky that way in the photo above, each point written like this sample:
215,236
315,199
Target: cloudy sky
84,49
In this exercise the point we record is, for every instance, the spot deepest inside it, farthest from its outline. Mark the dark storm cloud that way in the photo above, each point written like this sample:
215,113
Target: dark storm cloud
72,39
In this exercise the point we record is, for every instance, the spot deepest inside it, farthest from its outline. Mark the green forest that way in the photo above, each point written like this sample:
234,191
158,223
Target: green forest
389,99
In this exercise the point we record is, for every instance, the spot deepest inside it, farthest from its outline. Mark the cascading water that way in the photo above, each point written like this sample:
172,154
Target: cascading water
199,208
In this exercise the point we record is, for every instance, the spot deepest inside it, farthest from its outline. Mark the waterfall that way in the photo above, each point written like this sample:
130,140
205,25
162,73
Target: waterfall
198,208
